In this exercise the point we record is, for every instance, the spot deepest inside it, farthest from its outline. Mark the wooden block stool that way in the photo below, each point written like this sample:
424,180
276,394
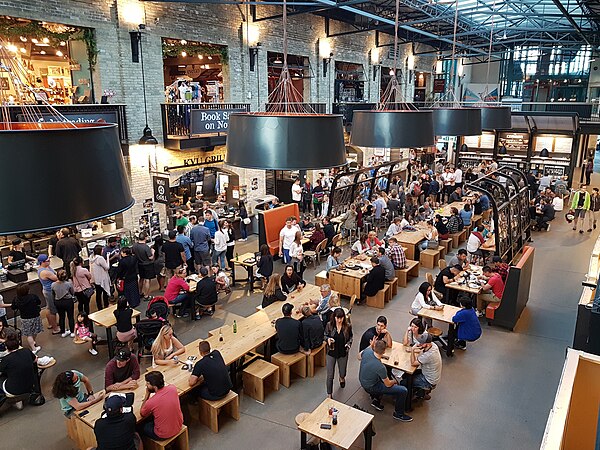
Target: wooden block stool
429,258
411,270
317,357
456,239
447,243
463,236
180,441
288,363
210,409
393,287
321,278
257,376
442,250
378,301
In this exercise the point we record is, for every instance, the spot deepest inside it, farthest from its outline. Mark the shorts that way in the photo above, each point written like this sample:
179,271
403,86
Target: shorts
170,272
127,336
146,271
580,212
50,302
202,258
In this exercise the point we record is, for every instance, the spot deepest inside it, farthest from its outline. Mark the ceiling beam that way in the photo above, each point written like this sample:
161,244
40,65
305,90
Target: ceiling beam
571,20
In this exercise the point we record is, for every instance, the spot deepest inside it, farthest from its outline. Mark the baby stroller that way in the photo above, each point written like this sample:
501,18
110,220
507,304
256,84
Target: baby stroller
158,306
147,331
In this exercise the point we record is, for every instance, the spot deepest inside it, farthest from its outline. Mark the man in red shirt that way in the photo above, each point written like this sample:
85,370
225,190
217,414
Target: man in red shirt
492,290
178,292
500,267
163,407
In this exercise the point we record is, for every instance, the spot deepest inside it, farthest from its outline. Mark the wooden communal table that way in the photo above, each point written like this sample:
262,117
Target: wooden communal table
398,357
296,298
445,315
446,210
349,281
468,287
248,262
489,245
351,423
106,318
410,239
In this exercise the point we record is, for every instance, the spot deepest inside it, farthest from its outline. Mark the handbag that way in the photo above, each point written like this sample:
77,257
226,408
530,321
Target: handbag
88,292
246,220
120,285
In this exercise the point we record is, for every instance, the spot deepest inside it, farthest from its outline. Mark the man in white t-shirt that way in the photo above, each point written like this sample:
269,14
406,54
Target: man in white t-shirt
297,193
286,237
458,176
428,357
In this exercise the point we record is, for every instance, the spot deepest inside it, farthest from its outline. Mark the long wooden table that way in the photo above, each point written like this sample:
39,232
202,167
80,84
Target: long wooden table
296,298
397,357
465,287
445,315
349,281
351,423
106,318
410,239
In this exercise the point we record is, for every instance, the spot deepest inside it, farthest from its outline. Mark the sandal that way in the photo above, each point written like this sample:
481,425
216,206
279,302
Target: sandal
56,332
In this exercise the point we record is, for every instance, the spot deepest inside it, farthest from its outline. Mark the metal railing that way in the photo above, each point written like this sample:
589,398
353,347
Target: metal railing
176,116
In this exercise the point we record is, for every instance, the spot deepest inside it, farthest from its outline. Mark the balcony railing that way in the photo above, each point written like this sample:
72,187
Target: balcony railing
177,116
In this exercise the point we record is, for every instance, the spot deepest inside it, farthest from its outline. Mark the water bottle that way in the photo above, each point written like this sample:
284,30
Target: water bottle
234,326
220,336
335,415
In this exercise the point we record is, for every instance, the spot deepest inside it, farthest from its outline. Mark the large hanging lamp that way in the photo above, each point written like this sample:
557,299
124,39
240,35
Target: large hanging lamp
496,118
81,163
457,121
289,135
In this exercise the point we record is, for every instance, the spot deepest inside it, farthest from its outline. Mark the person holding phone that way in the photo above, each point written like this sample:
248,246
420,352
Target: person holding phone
74,392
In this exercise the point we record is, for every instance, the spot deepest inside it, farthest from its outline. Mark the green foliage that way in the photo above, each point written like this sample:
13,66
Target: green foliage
173,49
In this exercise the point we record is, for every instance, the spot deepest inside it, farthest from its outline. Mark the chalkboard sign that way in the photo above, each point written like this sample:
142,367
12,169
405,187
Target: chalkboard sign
515,141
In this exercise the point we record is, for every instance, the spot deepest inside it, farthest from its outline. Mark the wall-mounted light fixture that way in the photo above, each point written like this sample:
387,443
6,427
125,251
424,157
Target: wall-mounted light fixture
251,34
325,53
439,67
410,66
133,13
375,56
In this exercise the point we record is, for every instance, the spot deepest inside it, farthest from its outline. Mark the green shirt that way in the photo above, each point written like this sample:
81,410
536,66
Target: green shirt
64,402
183,222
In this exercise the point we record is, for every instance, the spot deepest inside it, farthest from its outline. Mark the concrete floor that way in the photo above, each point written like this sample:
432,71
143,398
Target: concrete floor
496,395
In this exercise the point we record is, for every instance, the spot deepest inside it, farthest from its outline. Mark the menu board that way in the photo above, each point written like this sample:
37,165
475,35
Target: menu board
487,140
515,141
563,144
471,141
544,142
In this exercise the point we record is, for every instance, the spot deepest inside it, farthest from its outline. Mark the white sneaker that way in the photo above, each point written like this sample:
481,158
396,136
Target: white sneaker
37,349
19,405
480,313
93,352
66,333
548,229
72,335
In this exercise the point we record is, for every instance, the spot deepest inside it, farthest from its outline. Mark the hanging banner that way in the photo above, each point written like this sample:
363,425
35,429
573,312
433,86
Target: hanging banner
161,189
210,120
439,86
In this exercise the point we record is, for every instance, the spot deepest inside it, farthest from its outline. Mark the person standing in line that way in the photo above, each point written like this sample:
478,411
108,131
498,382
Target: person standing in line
581,204
67,249
306,197
82,283
28,306
63,294
589,169
188,248
286,237
200,236
47,276
458,176
243,225
338,334
127,271
145,261
318,193
594,207
100,277
174,254
297,193
297,254
220,240
230,235
159,262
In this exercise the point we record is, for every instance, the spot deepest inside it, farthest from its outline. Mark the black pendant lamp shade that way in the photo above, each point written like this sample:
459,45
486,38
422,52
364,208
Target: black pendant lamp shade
58,176
496,118
285,141
457,121
502,150
147,137
544,153
392,129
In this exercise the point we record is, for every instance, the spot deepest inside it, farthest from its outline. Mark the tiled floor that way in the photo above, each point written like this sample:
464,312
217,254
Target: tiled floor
496,395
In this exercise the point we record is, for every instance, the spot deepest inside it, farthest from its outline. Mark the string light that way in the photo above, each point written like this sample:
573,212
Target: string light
184,54
45,40
59,53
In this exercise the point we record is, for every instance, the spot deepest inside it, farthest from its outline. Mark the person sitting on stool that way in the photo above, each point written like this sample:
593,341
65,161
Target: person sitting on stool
212,372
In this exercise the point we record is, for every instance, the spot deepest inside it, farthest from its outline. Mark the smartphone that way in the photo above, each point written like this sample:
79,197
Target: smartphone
184,367
192,358
385,357
326,426
83,413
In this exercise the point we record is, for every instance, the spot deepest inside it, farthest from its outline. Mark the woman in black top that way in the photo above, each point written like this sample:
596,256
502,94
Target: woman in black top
125,330
338,335
265,264
273,292
127,271
441,227
29,307
290,280
243,215
159,262
17,253
18,369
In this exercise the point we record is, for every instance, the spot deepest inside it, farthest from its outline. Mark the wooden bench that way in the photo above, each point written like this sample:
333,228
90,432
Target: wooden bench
295,362
430,257
393,286
257,376
411,270
378,300
210,409
447,243
321,278
459,237
317,357
442,250
475,220
179,441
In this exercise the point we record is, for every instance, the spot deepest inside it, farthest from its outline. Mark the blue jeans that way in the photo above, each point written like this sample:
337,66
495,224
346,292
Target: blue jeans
185,300
286,256
220,258
243,230
148,430
397,391
420,382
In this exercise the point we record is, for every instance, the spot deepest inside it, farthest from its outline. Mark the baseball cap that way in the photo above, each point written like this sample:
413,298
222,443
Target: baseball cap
123,355
42,258
114,403
496,259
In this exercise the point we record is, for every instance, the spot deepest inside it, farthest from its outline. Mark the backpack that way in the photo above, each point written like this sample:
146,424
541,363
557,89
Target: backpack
416,190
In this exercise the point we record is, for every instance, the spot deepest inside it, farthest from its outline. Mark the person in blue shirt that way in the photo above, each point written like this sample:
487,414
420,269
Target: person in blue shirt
485,202
465,214
200,236
211,223
188,248
469,328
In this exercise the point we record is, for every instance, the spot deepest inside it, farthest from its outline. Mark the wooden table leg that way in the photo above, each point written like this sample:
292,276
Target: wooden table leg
451,339
109,338
303,440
